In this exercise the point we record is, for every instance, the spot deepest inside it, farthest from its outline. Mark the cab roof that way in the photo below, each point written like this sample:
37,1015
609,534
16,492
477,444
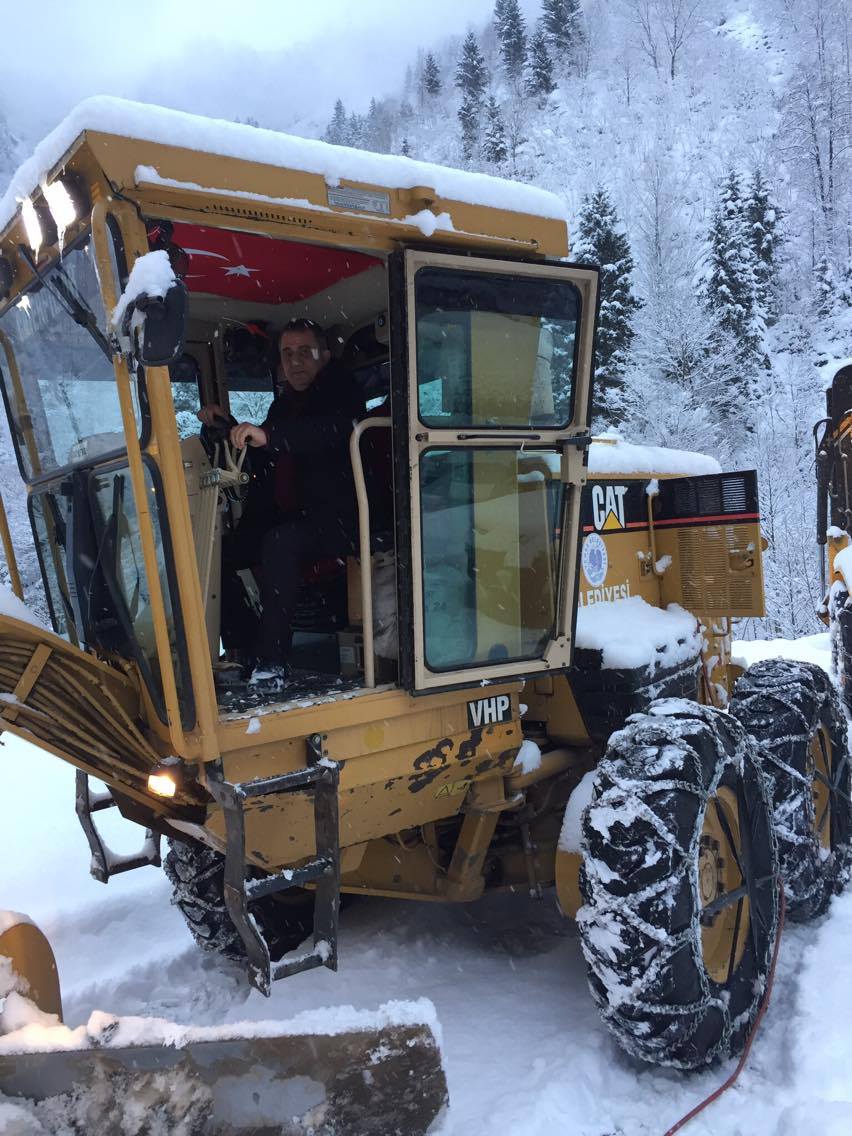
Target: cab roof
154,154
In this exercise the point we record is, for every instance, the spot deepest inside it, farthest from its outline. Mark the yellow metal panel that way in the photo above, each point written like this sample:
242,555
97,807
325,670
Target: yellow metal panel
716,569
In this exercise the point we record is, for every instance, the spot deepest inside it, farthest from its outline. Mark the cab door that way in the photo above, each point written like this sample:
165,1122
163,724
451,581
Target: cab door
491,364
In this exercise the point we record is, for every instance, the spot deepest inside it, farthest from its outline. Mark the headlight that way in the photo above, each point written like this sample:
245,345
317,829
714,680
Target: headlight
162,784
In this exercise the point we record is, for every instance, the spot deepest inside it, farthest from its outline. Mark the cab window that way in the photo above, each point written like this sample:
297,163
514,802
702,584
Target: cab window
63,400
495,349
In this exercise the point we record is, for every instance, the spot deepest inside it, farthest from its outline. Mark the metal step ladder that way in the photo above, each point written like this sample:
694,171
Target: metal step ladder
322,777
105,863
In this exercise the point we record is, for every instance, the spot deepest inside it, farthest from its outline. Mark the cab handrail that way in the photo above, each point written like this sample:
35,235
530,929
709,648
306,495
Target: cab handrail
358,432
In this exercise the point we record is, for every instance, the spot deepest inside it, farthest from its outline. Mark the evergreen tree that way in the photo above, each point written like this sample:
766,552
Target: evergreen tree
468,114
494,146
376,132
431,78
764,217
405,148
540,81
511,37
471,72
600,241
337,130
472,80
825,292
562,24
731,277
355,126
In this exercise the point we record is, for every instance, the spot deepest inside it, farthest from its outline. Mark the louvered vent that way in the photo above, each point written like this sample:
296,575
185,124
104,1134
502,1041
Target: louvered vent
708,583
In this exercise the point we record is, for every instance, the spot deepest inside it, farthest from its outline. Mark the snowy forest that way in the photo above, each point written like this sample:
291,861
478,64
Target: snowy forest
703,153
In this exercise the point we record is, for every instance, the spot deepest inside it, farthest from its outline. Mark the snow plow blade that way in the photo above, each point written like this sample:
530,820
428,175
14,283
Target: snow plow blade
328,1072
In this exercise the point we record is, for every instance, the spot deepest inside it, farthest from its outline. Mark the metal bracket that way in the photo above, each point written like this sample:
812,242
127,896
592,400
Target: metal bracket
322,776
106,863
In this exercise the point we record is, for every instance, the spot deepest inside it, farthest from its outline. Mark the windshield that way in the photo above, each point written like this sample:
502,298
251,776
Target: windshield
58,378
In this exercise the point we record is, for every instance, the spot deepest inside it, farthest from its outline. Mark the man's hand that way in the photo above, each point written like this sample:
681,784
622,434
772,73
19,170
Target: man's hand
247,434
209,413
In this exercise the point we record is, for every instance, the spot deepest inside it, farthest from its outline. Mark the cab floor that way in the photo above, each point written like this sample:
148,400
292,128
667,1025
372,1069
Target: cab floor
303,688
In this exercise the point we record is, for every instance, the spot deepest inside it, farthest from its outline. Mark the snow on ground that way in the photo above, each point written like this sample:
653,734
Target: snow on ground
525,1052
808,649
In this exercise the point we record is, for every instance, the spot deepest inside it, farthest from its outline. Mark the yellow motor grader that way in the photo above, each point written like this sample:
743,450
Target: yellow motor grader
520,681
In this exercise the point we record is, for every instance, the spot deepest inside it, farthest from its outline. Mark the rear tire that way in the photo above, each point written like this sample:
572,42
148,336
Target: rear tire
792,711
197,876
678,925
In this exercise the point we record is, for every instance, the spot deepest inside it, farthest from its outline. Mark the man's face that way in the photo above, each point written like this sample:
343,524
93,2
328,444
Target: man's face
301,357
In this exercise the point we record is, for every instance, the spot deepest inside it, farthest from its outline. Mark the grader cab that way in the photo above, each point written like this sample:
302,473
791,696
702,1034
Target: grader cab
527,643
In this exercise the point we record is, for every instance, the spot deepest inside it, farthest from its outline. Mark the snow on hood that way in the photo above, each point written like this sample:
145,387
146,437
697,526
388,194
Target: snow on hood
250,143
609,453
631,633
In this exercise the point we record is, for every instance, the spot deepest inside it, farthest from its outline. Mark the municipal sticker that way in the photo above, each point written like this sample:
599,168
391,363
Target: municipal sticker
595,560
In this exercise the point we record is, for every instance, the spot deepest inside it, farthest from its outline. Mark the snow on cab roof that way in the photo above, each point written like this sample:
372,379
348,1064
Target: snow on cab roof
149,123
609,453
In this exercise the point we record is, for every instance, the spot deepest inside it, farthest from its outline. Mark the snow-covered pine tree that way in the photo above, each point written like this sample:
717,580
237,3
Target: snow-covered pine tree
472,80
731,279
511,38
431,77
471,71
824,294
540,81
764,218
376,129
337,130
495,148
600,240
468,115
355,127
8,150
405,148
562,24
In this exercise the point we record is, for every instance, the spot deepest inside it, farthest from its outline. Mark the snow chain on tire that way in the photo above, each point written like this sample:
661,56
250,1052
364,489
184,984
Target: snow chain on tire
680,885
197,876
793,712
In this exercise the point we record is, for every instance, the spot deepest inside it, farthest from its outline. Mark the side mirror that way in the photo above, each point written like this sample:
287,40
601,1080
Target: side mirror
159,335
150,316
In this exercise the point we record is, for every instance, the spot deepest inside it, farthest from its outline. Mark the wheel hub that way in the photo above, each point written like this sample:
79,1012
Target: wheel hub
710,878
724,931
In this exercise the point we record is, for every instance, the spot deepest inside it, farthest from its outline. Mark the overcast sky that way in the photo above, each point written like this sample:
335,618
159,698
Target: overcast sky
280,62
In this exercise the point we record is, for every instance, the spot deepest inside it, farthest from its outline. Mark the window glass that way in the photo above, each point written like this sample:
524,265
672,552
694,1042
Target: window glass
187,403
185,376
116,519
67,409
494,350
490,546
49,516
250,406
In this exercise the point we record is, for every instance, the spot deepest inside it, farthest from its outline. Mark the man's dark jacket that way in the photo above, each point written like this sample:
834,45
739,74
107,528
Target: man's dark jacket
308,434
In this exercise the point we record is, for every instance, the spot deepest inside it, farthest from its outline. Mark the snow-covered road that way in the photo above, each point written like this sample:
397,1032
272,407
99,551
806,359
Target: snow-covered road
524,1050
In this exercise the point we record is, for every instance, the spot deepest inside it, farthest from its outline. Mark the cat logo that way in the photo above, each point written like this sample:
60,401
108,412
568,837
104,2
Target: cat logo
452,789
608,507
